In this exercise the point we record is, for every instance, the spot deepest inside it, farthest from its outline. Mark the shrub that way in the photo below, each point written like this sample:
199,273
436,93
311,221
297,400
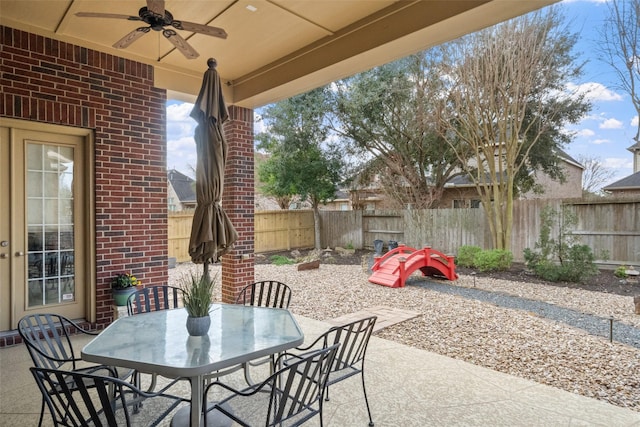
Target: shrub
494,259
467,255
547,271
281,260
561,258
621,272
578,267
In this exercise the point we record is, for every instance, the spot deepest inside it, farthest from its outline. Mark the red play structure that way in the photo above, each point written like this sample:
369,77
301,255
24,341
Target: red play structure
393,268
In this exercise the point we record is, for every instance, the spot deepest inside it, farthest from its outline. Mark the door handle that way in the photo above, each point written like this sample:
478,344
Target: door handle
19,253
4,256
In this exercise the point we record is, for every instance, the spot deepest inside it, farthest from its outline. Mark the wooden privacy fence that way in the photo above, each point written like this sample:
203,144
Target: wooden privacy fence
283,230
611,227
274,231
605,226
178,234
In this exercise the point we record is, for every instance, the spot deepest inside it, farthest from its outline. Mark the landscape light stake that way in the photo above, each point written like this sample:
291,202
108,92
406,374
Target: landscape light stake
611,329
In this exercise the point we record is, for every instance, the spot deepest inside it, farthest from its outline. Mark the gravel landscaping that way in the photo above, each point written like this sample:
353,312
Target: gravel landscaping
554,335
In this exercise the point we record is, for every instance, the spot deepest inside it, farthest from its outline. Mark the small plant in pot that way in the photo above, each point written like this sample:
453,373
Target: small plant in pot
123,285
197,296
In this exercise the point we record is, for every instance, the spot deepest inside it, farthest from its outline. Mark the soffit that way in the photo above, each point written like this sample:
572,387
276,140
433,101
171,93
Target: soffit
275,48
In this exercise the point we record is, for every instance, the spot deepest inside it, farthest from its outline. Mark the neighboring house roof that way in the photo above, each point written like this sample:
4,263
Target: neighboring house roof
465,181
631,182
183,186
342,195
567,158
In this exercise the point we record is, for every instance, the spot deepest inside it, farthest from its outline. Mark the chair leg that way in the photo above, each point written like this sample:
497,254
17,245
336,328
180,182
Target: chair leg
41,413
366,400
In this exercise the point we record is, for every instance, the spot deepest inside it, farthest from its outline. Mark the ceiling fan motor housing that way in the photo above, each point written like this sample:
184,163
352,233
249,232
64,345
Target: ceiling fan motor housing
157,22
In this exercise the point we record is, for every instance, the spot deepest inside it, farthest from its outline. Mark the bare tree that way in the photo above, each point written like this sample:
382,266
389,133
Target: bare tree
505,98
621,48
387,116
595,174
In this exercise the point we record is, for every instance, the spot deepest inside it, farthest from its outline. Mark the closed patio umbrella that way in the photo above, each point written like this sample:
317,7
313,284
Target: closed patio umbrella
212,233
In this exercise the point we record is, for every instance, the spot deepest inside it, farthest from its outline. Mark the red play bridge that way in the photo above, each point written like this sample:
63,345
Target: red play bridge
393,268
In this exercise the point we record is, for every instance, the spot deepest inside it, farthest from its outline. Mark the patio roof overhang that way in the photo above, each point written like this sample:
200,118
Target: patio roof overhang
275,48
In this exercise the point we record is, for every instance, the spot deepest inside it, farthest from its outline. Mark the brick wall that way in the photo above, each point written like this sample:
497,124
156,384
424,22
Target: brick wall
238,202
48,81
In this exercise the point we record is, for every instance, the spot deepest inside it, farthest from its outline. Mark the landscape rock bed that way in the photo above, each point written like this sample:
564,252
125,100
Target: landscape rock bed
513,341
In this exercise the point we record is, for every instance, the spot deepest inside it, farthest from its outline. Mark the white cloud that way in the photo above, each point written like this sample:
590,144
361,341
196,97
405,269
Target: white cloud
611,124
634,121
585,132
618,163
181,154
594,91
601,141
258,125
179,124
179,112
181,147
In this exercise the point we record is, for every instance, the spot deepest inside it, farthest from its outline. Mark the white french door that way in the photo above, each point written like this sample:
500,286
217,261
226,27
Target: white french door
43,180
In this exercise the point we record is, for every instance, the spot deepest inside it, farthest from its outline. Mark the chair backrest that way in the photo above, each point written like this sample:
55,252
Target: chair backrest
47,339
154,298
353,339
299,386
267,293
79,399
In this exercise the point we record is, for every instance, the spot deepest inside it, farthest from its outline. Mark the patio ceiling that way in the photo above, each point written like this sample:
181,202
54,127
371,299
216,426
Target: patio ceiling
275,48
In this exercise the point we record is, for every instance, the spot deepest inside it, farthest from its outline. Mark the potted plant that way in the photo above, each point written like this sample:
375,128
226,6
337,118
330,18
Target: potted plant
197,296
123,285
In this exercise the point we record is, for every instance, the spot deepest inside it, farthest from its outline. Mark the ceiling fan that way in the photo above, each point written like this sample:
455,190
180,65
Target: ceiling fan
155,15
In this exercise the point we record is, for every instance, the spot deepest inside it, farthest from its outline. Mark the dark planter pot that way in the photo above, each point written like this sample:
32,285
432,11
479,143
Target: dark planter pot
198,326
120,296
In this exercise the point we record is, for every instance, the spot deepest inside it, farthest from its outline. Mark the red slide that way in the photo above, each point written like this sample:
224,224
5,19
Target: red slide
395,266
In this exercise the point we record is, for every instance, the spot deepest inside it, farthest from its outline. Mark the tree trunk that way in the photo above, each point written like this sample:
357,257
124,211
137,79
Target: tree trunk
316,227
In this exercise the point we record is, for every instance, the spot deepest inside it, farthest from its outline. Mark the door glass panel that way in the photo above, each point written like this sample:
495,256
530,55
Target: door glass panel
50,200
34,157
34,188
34,211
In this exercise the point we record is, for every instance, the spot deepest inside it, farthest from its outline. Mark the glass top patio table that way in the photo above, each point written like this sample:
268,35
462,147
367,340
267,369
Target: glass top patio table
158,342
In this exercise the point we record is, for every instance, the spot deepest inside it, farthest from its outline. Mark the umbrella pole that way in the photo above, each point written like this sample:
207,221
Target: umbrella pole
205,273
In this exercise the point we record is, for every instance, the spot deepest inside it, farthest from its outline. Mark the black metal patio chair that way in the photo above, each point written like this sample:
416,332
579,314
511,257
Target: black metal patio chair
266,293
293,394
48,341
353,338
154,298
81,399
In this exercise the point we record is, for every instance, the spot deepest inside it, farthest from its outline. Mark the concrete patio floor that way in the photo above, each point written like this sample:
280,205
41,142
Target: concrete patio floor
406,387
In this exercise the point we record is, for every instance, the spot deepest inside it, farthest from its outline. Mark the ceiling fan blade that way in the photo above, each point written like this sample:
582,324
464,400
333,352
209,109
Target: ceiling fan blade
180,44
107,15
156,6
199,28
131,37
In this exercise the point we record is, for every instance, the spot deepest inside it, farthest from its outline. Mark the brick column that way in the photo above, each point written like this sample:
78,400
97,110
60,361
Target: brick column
238,202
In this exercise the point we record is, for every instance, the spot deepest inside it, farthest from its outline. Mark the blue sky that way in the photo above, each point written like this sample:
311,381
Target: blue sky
604,134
